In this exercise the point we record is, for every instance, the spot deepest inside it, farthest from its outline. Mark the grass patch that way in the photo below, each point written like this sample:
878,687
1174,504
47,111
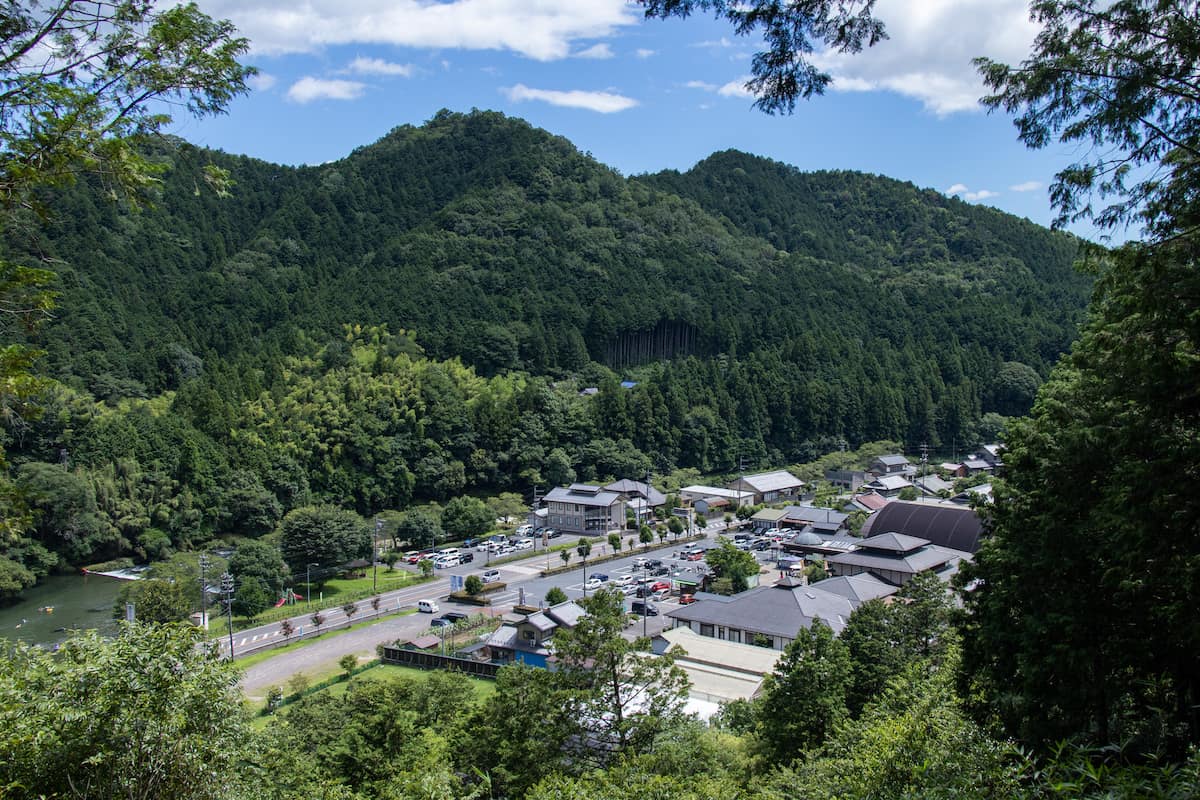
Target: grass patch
335,592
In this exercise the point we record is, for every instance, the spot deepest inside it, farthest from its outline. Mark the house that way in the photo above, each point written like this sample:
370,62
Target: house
526,633
858,589
974,494
894,464
769,487
584,509
825,521
642,498
734,497
718,671
868,501
894,558
932,485
767,616
846,478
991,454
889,485
767,518
946,525
712,501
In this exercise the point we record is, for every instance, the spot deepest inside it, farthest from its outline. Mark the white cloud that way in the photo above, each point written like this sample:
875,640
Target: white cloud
539,29
1027,186
971,197
377,66
715,43
601,50
262,82
707,87
736,88
308,89
603,102
928,56
643,52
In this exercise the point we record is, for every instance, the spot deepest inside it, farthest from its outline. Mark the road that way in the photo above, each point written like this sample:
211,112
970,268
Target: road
524,584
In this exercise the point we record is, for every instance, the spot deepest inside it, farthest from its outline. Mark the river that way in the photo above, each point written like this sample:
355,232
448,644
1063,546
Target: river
79,602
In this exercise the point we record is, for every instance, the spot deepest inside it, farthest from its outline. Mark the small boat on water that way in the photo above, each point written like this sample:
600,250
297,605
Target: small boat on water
47,609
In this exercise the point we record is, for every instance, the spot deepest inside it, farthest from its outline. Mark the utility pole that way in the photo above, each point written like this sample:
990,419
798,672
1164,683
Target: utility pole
375,553
203,592
227,590
924,463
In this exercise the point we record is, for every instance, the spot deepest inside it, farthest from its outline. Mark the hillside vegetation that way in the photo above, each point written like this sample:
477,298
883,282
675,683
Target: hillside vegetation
416,321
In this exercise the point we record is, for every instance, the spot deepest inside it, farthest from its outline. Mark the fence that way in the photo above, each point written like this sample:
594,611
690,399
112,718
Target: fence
422,660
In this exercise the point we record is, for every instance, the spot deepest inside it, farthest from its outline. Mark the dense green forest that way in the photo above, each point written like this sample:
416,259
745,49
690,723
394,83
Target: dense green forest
1069,668
416,321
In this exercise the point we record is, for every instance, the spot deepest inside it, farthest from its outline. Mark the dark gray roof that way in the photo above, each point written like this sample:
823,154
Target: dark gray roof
893,460
814,514
631,488
808,537
773,610
927,558
583,497
894,542
567,614
858,589
946,525
542,622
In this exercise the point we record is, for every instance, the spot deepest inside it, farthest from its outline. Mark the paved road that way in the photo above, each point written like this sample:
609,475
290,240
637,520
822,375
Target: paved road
524,583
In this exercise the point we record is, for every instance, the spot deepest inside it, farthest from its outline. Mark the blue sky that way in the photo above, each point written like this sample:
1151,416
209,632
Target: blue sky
638,95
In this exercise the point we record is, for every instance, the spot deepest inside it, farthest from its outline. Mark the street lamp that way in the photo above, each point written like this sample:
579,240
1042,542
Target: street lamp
227,590
645,599
308,584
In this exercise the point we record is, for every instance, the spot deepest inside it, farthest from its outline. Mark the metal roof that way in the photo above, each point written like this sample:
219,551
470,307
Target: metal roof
773,610
598,498
772,481
947,525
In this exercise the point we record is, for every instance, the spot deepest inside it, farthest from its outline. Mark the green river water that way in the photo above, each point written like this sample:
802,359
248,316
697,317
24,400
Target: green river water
61,603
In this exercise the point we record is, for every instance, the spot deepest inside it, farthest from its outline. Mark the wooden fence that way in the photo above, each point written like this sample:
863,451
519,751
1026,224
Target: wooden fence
423,660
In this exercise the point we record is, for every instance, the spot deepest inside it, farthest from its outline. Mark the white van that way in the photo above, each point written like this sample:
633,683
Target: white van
449,551
428,606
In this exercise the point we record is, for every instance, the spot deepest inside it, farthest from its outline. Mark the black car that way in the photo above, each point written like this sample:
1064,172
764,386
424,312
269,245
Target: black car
466,557
455,616
661,569
553,534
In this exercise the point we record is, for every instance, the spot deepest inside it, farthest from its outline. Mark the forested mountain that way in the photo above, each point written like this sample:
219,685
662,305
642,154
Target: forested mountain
416,321
503,245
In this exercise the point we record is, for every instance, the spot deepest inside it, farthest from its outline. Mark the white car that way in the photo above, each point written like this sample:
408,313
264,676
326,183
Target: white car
624,580
524,544
593,583
524,530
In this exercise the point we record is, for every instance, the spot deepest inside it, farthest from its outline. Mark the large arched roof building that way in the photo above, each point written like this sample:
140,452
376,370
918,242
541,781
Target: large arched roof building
947,525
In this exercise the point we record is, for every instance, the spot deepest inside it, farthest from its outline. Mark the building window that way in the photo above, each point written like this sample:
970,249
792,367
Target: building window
706,629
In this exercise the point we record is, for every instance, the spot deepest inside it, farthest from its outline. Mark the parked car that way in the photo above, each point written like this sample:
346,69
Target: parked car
661,569
686,599
440,622
659,586
455,616
416,556
660,595
640,561
524,544
551,533
592,583
523,530
466,557
491,576
694,555
428,606
644,607
600,576
624,580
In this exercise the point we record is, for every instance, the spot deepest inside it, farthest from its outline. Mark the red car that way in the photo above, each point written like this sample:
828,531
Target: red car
686,599
660,585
